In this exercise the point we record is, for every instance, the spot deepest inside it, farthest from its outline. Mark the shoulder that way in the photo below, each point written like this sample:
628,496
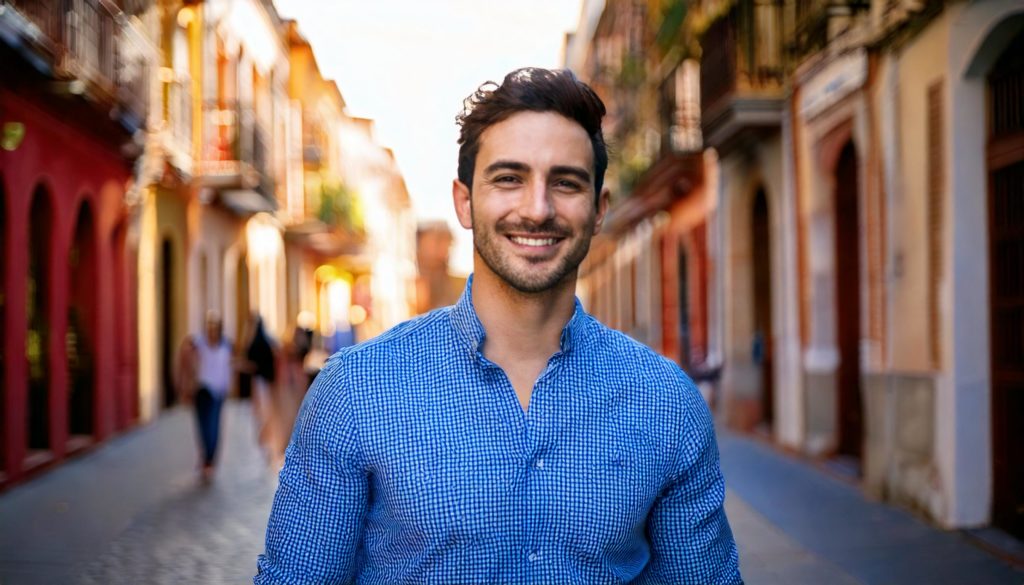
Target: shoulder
427,330
634,370
395,353
631,356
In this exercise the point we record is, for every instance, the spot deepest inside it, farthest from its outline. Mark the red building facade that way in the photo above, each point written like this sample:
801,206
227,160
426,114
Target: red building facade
67,353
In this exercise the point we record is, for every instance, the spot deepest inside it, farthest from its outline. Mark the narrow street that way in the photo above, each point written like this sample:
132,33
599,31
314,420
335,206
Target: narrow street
134,512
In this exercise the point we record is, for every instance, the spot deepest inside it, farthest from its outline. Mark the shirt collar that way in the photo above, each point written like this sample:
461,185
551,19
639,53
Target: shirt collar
579,328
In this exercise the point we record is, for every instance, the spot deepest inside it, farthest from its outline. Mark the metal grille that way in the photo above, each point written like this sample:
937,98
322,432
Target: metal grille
1006,87
1007,103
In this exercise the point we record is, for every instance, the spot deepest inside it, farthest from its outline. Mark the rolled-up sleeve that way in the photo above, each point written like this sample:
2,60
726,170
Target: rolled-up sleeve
690,538
316,522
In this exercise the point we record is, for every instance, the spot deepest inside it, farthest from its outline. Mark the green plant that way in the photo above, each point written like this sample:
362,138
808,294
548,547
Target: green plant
340,207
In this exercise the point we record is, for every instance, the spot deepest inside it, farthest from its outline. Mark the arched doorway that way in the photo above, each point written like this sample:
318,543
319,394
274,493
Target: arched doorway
762,350
1005,158
168,318
37,339
81,327
848,310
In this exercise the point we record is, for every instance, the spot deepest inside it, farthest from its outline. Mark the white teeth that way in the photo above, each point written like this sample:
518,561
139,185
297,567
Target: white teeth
533,241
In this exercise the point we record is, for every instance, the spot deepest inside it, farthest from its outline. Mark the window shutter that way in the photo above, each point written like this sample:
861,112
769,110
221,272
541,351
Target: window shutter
936,187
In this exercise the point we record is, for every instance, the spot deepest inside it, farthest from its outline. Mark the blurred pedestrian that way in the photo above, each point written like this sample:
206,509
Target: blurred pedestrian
261,363
205,368
302,337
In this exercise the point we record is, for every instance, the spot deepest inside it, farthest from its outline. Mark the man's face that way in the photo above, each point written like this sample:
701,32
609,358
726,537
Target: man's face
532,209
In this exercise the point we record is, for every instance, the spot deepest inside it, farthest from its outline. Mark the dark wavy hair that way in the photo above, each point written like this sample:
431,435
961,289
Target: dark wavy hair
535,90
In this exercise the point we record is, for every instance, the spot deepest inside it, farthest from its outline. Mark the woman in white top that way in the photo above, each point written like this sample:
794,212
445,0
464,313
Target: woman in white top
208,359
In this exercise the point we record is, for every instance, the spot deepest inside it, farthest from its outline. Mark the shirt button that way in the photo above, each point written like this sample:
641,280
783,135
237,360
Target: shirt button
539,464
534,557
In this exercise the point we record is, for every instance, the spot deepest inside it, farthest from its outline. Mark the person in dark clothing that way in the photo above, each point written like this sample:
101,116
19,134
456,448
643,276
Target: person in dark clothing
261,360
261,352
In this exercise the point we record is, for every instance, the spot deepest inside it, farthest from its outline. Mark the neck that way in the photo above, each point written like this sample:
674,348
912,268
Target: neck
521,325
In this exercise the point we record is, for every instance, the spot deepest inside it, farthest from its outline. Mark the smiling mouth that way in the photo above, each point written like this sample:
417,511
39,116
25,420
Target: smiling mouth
534,242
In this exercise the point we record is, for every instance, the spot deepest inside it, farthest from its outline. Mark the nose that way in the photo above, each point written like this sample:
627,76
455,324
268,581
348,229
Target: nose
536,204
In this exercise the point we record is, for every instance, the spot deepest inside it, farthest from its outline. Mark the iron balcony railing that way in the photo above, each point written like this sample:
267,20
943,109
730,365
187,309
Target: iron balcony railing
743,51
47,16
179,111
135,63
235,143
90,45
811,31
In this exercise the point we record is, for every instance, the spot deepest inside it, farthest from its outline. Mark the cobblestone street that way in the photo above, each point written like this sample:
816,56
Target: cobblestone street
133,512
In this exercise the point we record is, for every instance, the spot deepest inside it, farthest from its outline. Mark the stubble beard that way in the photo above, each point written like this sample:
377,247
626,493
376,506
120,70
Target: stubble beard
486,241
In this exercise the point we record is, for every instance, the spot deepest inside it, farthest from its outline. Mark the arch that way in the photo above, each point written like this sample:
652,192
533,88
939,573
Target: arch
762,344
82,323
966,397
994,43
846,212
835,144
37,340
746,316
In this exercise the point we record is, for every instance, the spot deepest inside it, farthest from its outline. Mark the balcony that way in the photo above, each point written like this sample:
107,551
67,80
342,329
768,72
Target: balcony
135,61
179,119
818,22
88,48
235,151
742,73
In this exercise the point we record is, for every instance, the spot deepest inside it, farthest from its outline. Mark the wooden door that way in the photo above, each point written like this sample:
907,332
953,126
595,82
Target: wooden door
1006,269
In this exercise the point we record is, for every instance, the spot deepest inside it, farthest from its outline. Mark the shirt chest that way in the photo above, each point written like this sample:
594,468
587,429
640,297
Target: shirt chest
484,468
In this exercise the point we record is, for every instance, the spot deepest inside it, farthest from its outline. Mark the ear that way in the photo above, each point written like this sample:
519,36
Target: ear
463,206
602,208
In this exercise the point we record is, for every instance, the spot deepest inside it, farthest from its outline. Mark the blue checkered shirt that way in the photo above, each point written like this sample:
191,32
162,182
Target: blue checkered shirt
412,461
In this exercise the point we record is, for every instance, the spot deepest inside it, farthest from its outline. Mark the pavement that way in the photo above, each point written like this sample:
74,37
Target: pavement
797,524
133,511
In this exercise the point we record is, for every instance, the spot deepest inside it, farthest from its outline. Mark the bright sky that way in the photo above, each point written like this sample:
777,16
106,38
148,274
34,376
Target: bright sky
408,64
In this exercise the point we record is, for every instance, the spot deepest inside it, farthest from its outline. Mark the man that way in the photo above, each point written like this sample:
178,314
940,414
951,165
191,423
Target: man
510,438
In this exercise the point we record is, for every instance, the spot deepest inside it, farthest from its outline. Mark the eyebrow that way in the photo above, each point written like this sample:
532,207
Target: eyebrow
509,165
505,165
578,172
